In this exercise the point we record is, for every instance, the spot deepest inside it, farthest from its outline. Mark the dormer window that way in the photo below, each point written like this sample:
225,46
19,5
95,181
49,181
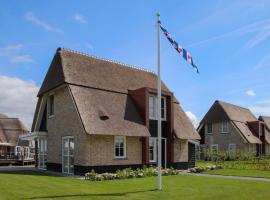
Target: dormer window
153,108
224,127
51,105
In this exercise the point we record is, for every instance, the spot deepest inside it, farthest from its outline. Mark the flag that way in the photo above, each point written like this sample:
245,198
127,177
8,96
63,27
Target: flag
184,53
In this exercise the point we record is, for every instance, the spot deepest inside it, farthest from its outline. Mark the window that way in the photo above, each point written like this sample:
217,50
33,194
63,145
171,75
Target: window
17,151
232,148
68,154
224,127
214,148
252,148
120,147
153,149
209,128
51,105
153,107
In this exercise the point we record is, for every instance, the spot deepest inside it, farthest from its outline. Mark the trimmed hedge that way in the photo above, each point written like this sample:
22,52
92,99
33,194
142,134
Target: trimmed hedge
129,173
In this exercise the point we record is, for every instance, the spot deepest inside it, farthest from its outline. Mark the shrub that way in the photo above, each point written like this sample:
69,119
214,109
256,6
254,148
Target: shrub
129,173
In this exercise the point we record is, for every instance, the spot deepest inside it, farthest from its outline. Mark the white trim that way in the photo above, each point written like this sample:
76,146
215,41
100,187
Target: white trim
68,155
154,139
125,146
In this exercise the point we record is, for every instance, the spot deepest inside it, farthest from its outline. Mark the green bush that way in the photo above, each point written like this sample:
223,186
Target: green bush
129,173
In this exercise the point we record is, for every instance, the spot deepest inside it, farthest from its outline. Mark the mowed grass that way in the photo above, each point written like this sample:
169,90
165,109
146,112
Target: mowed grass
240,172
30,185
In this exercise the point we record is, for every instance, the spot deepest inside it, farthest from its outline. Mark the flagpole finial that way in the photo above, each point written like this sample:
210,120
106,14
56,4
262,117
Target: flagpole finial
158,14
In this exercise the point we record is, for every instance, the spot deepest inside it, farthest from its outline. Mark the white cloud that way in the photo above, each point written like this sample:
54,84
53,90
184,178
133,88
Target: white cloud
18,98
193,118
264,62
15,54
261,27
250,93
34,19
79,18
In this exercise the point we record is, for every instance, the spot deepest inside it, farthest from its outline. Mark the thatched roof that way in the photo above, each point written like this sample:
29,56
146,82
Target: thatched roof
10,129
239,116
101,92
266,120
183,128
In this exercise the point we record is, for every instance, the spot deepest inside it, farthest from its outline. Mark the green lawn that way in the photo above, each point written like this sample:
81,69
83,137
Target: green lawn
28,185
240,172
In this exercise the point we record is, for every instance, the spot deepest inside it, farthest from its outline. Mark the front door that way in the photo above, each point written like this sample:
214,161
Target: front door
42,153
68,155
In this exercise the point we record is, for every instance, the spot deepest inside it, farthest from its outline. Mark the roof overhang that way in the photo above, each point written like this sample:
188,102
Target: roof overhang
33,135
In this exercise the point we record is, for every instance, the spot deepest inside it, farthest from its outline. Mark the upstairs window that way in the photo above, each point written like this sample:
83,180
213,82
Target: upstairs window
224,127
51,105
119,146
209,129
153,108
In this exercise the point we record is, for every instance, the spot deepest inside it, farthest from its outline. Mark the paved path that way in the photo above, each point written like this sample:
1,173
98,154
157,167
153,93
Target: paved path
17,168
226,177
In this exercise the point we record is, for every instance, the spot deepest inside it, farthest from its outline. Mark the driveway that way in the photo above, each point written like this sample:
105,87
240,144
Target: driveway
17,168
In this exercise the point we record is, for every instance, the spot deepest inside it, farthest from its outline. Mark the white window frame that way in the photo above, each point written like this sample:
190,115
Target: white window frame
206,128
155,102
42,153
68,154
49,105
222,127
214,145
154,140
125,147
16,150
234,149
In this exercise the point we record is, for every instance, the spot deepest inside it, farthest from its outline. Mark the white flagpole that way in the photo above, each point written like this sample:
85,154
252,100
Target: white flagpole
159,106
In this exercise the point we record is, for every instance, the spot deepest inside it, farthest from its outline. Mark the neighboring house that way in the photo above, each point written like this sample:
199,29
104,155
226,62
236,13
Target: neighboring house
231,128
12,149
266,140
99,114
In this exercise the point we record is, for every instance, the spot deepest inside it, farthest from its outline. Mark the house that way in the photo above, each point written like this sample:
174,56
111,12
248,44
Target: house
12,149
230,128
266,136
98,114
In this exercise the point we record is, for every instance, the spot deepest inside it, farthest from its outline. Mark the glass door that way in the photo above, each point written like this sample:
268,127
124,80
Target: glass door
42,154
68,155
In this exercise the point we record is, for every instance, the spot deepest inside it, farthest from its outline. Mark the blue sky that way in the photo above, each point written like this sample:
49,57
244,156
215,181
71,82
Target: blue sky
229,41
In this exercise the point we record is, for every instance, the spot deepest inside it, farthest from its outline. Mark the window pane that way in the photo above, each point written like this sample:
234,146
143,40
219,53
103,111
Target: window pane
117,152
71,146
121,153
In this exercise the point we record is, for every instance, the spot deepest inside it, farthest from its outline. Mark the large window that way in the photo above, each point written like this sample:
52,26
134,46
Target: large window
68,154
51,105
153,149
224,127
42,154
153,107
209,128
119,146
